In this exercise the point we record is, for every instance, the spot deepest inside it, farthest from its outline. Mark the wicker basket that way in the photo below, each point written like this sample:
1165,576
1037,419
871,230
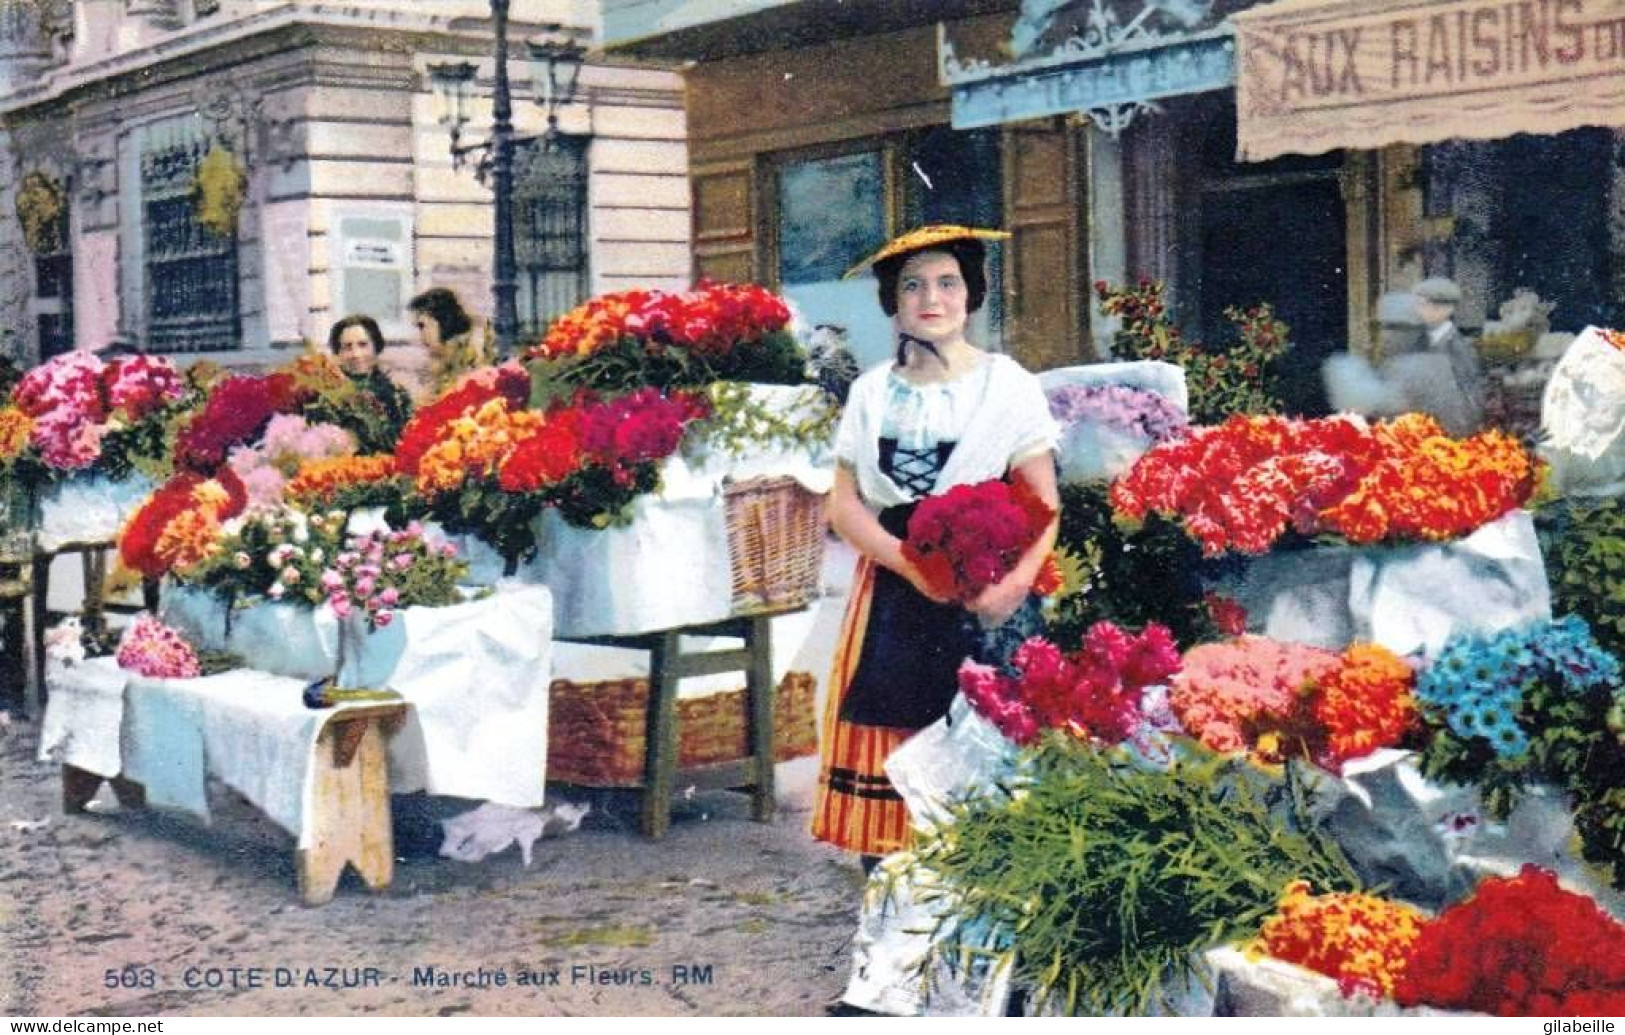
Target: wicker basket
775,543
596,738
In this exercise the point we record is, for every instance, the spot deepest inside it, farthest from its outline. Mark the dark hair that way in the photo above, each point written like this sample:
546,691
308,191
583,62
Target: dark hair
366,323
969,252
441,305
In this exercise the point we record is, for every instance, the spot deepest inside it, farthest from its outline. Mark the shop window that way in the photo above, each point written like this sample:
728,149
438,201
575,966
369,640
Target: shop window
550,228
191,268
835,209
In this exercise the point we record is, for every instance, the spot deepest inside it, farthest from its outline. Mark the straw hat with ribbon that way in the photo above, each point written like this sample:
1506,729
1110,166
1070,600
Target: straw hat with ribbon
923,238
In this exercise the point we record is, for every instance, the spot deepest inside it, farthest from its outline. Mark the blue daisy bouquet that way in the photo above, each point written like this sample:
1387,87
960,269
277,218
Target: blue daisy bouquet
1541,703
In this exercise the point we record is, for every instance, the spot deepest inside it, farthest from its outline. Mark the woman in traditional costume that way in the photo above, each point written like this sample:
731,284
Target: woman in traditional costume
944,413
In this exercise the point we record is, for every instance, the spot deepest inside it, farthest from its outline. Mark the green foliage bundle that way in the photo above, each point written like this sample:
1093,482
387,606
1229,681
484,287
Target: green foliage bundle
1109,875
1132,576
741,423
1242,377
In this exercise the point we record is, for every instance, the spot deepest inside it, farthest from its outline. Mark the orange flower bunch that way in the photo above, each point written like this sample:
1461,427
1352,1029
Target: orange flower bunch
1361,940
317,372
15,426
1365,704
474,446
1426,485
179,524
320,480
590,326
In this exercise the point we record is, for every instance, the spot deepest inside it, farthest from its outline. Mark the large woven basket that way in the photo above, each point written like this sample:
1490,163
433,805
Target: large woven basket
775,543
596,731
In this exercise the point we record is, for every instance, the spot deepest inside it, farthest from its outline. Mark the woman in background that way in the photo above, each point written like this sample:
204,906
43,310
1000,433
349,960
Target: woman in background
447,332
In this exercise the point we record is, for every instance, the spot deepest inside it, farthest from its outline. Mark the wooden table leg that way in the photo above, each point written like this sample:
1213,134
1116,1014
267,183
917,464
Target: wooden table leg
39,618
759,705
349,820
660,752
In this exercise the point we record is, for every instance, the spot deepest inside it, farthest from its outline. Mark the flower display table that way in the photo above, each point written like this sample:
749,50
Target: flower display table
671,661
319,775
476,675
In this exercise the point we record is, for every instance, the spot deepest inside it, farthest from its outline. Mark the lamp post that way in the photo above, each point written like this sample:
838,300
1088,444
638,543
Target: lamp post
556,66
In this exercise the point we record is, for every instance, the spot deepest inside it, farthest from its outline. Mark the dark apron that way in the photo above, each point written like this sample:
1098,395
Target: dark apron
908,668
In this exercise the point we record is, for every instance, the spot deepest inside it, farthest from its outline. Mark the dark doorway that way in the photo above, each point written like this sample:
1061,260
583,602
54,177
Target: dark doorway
1272,232
1553,224
1282,243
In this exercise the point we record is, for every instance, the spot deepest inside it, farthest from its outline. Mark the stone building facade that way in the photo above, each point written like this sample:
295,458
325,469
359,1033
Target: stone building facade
224,178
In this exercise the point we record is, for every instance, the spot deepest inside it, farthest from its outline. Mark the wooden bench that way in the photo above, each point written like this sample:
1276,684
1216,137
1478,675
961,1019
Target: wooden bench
348,823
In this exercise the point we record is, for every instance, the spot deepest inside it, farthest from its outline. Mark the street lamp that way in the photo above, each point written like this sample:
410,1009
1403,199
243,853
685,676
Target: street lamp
556,65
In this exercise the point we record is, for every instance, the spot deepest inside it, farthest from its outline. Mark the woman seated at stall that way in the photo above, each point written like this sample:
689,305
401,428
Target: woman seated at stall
447,332
356,343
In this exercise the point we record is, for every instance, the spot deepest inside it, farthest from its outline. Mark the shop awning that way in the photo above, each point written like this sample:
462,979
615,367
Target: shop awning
1315,75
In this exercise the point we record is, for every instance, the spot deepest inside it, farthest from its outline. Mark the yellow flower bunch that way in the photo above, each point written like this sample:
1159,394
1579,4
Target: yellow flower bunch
15,427
1361,940
474,446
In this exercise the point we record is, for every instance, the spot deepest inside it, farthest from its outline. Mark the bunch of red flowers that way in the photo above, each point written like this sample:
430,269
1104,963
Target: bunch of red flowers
1241,484
619,435
1095,692
179,523
236,412
712,320
1519,947
971,536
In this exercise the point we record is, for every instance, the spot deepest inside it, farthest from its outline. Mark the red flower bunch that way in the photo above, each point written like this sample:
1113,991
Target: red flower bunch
1280,700
971,536
547,457
508,382
179,523
1094,692
1520,947
237,411
1238,486
644,425
712,319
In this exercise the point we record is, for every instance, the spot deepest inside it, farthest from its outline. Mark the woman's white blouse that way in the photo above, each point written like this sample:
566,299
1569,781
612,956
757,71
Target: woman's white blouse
919,416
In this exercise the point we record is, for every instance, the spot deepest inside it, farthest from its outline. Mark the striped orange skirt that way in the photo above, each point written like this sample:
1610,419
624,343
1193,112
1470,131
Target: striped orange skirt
856,807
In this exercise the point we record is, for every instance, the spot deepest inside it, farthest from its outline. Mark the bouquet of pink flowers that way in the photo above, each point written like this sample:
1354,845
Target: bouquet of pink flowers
152,649
1096,692
87,413
381,572
1278,700
971,536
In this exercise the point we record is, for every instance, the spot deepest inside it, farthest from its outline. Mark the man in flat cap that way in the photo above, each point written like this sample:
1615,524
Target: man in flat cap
1459,405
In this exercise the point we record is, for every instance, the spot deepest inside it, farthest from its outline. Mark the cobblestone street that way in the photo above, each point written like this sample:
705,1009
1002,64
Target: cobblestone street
205,920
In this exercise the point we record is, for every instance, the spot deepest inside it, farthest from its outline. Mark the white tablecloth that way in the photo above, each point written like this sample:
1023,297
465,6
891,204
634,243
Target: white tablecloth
88,508
248,729
476,676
